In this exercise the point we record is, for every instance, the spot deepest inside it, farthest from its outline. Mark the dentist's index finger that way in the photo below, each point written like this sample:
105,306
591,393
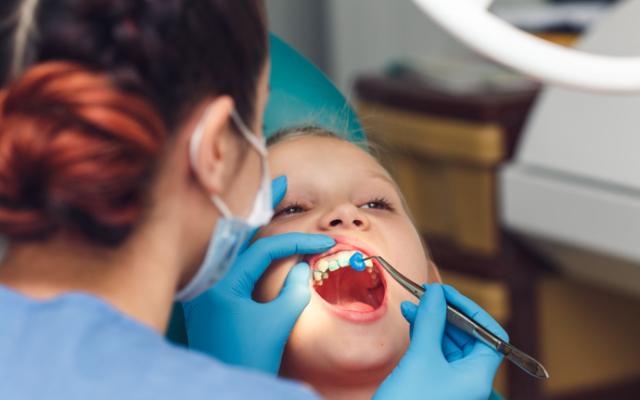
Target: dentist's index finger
278,190
429,323
257,258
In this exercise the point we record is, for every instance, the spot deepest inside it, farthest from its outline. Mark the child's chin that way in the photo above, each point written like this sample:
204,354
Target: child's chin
371,355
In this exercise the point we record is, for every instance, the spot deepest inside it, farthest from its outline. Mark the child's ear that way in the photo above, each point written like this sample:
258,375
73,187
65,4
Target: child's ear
433,273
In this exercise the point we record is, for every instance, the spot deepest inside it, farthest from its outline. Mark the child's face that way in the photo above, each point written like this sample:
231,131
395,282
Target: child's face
352,328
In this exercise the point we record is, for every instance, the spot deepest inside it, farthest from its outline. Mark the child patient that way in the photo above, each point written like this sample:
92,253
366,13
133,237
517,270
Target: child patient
352,333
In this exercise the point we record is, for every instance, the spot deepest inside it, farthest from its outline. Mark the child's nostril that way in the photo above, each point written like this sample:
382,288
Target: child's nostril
335,222
357,222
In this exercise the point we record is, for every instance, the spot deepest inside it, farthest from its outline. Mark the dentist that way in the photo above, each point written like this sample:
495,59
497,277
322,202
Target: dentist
132,168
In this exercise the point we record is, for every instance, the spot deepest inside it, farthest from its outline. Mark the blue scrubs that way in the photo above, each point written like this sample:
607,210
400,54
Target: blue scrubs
76,346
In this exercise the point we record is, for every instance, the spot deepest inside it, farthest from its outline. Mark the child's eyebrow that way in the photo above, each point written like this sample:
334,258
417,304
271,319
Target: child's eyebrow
381,176
387,179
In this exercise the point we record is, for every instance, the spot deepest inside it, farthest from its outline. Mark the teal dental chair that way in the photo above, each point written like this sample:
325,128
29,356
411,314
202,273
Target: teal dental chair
301,95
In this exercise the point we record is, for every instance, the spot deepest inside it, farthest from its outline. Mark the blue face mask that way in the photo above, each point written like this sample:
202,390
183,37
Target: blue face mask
230,232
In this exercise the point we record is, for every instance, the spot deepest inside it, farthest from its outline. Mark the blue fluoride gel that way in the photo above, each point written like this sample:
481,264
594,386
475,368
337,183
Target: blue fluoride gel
357,261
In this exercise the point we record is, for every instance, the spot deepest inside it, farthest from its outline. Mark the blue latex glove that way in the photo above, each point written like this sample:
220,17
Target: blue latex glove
466,373
226,323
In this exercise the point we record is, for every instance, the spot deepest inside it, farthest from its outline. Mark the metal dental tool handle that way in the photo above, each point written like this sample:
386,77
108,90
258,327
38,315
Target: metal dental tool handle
466,324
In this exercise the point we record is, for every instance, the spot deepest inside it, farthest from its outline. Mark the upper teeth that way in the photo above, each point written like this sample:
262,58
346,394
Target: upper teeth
334,262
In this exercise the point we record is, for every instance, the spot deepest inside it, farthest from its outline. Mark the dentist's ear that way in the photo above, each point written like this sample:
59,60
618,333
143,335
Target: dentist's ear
214,151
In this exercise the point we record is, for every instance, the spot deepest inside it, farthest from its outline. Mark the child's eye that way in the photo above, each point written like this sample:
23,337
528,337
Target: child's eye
289,209
378,204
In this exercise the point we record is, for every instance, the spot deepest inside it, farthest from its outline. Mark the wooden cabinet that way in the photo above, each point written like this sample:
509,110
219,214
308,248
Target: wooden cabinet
444,151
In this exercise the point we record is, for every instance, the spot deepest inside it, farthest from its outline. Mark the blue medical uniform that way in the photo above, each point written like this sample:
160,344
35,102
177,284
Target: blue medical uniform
76,346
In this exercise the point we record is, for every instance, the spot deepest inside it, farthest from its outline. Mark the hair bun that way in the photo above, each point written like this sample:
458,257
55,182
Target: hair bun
75,154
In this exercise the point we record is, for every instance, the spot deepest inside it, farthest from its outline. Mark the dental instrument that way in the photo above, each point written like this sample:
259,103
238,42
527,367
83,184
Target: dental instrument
460,320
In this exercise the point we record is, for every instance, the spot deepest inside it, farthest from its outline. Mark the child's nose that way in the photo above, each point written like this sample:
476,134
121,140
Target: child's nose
344,217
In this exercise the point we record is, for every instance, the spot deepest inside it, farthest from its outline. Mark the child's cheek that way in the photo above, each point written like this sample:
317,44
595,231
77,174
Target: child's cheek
434,273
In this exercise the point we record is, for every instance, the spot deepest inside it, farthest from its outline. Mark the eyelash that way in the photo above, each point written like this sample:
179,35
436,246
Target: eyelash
297,207
379,203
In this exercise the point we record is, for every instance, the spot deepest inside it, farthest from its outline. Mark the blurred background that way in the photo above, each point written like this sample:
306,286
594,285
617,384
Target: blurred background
528,196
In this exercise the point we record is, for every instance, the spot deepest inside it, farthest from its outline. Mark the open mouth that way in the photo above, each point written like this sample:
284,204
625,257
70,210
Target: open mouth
344,288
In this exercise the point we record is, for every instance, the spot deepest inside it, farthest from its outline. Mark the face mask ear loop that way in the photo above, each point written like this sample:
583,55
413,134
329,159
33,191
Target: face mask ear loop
194,146
258,214
246,132
222,207
196,138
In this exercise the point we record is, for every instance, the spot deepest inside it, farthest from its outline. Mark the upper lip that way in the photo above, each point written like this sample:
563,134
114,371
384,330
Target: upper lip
342,243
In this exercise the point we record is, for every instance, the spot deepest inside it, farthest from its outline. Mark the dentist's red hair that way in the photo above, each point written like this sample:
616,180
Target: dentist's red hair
76,154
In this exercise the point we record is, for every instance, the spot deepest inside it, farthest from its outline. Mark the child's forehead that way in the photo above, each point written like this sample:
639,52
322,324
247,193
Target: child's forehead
312,160
312,150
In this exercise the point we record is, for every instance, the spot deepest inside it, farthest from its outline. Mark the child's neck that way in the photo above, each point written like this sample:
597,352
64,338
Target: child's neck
335,392
341,382
347,386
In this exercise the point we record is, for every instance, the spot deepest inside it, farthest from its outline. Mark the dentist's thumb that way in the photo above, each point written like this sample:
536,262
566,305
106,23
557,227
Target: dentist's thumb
428,322
295,293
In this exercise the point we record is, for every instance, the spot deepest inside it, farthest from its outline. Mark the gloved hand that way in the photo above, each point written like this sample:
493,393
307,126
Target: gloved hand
465,373
226,323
